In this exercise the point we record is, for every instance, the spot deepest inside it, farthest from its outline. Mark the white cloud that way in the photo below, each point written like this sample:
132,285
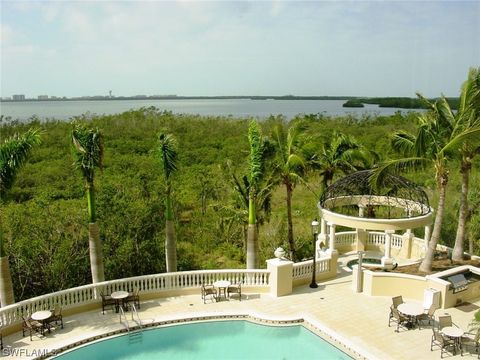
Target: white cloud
6,34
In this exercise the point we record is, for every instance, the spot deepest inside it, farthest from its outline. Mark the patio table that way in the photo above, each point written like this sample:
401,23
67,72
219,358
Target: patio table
119,297
454,333
222,286
411,310
43,316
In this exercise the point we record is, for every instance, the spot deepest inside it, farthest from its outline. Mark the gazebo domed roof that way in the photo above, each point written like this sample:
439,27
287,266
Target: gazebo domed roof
395,198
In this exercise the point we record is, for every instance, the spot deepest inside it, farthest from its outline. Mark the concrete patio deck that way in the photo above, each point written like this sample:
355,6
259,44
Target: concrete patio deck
358,319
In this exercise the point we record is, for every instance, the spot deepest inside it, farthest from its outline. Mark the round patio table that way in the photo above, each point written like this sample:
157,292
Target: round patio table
222,286
455,334
42,316
119,297
411,310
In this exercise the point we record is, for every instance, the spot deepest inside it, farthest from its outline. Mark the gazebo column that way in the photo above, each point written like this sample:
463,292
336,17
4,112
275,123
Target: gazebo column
406,251
322,237
362,237
321,242
361,210
387,261
331,238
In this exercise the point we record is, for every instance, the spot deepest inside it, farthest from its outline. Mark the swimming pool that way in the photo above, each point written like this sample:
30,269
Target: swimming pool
238,339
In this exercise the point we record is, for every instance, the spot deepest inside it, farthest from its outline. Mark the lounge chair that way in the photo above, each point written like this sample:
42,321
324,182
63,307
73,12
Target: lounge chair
107,301
32,326
56,315
398,318
208,290
471,339
428,316
235,289
442,342
134,297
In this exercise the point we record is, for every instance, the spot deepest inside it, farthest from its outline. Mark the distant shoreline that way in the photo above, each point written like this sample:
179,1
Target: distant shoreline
387,102
175,97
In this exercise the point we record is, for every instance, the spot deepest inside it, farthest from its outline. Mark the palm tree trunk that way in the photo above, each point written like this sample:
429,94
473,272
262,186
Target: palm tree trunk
291,243
252,236
6,286
457,254
91,203
426,265
170,242
96,253
170,246
252,247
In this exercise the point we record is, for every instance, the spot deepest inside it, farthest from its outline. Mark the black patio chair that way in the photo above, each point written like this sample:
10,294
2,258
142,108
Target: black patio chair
133,297
235,289
32,326
56,315
208,290
107,301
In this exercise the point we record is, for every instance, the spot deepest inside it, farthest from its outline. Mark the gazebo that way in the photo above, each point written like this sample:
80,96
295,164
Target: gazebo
356,202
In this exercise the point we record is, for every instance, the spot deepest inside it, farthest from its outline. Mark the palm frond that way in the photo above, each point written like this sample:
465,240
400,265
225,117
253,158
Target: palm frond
472,134
403,142
87,149
256,153
167,154
13,155
394,167
425,101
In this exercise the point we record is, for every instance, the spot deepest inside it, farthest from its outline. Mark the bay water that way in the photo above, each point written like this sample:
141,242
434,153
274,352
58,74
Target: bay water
236,108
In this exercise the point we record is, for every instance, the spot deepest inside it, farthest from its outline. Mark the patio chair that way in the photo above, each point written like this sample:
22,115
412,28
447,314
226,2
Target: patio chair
444,321
32,326
208,290
443,342
134,297
471,339
396,300
398,318
235,289
107,301
56,315
428,316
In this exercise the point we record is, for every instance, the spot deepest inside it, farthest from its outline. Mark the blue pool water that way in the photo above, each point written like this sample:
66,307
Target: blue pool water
212,340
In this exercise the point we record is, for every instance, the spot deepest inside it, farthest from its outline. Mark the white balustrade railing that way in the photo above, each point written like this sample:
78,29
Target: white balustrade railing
87,294
346,238
376,238
304,268
397,241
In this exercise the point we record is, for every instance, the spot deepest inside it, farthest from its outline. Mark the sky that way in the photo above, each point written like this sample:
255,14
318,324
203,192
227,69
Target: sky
354,48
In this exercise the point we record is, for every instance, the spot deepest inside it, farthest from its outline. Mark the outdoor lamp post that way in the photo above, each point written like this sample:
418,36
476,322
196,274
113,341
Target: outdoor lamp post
315,226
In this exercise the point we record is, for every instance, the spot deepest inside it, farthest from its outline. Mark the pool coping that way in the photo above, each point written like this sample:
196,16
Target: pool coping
329,335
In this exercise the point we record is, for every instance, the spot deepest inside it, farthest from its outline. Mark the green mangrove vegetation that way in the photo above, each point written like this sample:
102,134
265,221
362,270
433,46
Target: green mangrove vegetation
219,162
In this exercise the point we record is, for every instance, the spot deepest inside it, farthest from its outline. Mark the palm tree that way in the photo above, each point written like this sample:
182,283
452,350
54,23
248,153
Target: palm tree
467,115
434,142
341,154
88,155
167,154
473,218
239,209
256,164
291,159
13,154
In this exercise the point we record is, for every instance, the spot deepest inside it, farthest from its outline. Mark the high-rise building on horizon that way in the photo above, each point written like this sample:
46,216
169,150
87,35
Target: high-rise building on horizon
18,97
